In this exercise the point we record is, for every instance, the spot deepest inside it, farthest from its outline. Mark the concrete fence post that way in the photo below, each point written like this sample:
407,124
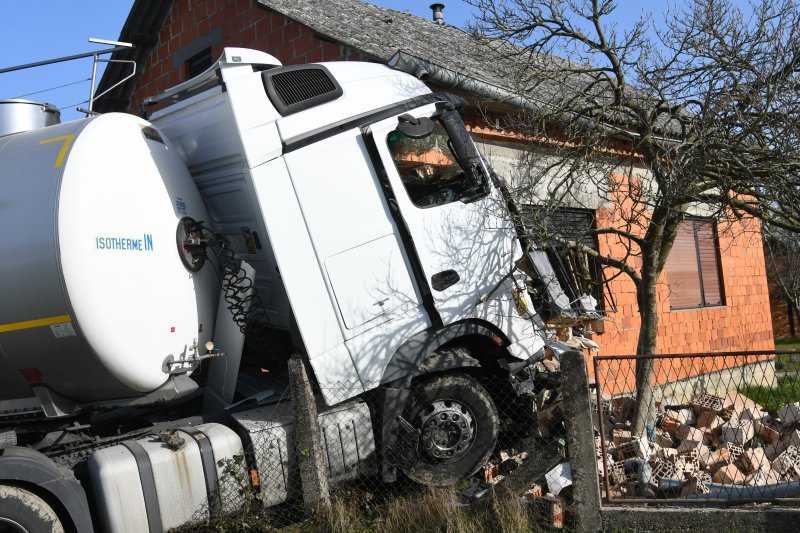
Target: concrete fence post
580,441
308,438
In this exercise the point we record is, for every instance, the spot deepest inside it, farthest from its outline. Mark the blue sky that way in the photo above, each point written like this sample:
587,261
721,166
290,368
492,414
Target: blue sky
36,30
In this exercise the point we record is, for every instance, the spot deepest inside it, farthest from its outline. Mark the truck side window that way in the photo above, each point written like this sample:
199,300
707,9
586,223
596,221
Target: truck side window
428,168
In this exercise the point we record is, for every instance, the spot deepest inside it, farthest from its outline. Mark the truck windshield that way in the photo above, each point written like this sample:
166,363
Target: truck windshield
430,170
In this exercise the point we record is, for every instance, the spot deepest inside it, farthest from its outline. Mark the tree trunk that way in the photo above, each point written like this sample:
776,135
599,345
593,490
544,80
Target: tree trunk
795,306
644,415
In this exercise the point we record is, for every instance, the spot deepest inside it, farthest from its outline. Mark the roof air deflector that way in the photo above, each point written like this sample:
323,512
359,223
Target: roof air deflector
300,87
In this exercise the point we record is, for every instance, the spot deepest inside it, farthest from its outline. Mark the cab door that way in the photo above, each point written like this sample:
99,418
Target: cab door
453,214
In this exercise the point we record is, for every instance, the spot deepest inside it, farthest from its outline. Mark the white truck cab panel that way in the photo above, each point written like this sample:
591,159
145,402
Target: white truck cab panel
309,161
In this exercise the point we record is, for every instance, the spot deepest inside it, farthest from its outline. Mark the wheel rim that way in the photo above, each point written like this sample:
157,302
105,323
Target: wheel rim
447,430
10,526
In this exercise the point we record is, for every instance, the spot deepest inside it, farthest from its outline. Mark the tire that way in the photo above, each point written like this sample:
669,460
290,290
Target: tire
458,426
22,511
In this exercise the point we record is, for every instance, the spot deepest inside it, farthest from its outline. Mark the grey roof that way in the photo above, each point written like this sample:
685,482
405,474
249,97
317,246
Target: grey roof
452,58
381,32
492,71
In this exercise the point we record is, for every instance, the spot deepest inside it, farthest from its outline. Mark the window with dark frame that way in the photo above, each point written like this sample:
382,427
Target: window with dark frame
198,63
693,266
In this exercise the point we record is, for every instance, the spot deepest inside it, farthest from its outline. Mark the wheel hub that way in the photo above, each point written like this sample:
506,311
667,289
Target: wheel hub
10,526
447,429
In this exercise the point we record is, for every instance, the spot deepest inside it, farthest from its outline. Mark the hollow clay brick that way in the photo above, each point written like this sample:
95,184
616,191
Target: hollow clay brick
773,450
718,458
755,460
670,424
754,414
740,433
707,403
685,432
620,436
708,420
739,402
554,507
761,477
728,474
794,438
663,438
787,461
695,449
694,486
734,450
636,447
766,432
667,454
789,414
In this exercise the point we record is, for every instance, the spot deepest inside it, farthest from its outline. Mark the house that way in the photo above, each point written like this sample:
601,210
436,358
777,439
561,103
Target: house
713,296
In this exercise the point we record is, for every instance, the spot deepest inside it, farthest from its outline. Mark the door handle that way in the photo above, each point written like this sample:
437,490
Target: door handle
444,279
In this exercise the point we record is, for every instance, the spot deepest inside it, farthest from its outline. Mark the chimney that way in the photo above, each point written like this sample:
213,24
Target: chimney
438,13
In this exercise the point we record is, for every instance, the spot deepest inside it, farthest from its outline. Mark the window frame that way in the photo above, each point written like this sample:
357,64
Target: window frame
695,221
471,186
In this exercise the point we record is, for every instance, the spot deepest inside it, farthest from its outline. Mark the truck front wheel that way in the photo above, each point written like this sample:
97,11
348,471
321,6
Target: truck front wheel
457,427
22,511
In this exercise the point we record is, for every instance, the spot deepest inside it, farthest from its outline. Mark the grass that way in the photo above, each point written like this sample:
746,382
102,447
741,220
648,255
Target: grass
432,510
435,510
788,343
787,391
788,362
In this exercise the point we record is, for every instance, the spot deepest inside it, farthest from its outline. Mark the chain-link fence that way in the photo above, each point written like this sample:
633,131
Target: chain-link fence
699,427
457,451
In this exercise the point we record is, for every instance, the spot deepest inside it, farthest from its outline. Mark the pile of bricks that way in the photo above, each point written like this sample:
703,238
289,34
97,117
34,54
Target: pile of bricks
494,472
727,440
548,505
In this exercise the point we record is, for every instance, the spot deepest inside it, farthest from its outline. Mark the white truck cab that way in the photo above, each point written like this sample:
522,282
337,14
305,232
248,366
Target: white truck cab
375,238
371,221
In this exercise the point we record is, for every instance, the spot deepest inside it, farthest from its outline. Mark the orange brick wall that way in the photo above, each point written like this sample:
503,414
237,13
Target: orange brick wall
243,24
742,324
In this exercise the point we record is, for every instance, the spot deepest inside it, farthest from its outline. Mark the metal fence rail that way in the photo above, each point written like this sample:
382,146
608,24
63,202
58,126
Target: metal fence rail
720,427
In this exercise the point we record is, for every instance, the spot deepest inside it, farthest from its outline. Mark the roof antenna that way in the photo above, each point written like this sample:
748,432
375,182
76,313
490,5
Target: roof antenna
438,13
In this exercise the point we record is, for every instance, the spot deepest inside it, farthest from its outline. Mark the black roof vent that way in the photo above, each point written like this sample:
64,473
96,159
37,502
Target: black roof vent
300,87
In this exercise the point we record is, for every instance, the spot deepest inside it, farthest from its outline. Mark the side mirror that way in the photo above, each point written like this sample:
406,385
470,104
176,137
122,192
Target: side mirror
416,128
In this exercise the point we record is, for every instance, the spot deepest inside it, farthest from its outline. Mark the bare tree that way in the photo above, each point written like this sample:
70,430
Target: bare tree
782,248
656,121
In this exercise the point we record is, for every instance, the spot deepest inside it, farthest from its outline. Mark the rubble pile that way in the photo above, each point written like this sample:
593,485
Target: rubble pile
710,444
493,473
550,497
